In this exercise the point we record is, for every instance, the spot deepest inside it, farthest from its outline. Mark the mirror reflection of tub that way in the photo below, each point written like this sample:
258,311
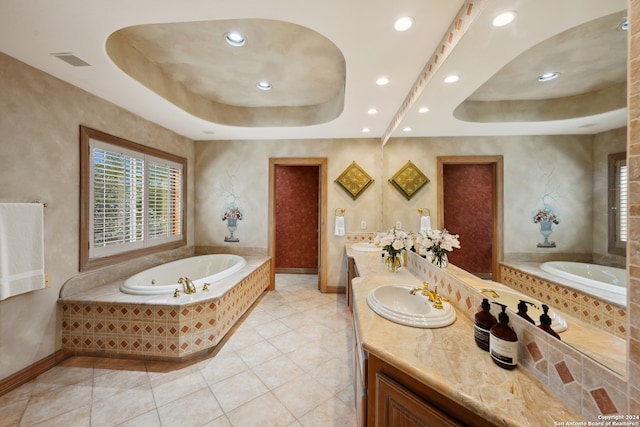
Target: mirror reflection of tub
608,283
511,299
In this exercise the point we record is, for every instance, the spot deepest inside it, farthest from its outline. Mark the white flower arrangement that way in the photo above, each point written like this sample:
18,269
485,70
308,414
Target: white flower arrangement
439,242
394,241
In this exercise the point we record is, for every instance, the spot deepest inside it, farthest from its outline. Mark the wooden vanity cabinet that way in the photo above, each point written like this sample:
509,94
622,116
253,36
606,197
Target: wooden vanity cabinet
395,399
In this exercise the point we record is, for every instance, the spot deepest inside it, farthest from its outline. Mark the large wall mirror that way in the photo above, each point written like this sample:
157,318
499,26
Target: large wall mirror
555,137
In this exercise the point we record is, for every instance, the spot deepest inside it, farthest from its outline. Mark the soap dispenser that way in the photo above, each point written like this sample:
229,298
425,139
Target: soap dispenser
522,311
484,320
545,322
503,342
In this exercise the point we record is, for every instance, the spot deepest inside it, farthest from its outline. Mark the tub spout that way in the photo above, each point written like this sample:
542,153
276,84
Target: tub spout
187,285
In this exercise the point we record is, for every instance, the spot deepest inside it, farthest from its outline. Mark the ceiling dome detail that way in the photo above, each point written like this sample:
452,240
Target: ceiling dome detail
190,65
592,62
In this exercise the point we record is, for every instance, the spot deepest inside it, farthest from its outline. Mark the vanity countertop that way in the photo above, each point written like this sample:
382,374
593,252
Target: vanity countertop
448,359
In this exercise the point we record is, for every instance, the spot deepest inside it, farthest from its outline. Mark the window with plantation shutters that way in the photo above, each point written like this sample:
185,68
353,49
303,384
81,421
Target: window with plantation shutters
622,202
164,184
117,198
618,203
132,199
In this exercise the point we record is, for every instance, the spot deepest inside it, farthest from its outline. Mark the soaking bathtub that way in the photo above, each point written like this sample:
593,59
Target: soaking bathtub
163,279
602,281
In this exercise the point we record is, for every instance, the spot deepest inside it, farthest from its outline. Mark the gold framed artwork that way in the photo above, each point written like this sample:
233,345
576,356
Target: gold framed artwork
354,180
408,180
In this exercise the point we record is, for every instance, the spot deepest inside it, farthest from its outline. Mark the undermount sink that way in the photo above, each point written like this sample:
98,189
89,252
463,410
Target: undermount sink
365,247
395,303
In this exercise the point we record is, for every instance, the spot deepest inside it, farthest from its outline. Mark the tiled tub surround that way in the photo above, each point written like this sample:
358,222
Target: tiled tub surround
588,387
102,320
528,278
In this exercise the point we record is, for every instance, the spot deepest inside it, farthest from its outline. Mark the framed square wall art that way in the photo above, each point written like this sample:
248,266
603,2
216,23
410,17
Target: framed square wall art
408,180
354,180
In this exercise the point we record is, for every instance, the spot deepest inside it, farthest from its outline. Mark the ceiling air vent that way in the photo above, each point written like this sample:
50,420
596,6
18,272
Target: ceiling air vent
71,59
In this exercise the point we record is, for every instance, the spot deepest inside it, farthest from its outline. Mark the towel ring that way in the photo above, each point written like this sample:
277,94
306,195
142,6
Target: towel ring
423,210
341,211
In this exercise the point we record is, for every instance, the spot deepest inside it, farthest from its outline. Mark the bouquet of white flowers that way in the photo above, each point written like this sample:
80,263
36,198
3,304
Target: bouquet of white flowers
394,241
438,243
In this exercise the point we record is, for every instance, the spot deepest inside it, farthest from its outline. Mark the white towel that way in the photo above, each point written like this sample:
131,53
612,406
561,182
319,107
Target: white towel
21,248
425,223
339,231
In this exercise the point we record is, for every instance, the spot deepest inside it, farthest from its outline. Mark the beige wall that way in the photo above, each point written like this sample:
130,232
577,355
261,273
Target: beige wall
244,165
39,160
568,160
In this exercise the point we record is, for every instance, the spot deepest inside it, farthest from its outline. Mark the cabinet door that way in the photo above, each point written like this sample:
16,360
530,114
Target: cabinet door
396,406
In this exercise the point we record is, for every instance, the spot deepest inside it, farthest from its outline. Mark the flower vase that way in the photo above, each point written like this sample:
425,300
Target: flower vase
232,225
439,259
546,228
393,262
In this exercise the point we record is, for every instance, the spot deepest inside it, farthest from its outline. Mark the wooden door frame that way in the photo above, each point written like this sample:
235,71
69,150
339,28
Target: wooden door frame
321,162
497,244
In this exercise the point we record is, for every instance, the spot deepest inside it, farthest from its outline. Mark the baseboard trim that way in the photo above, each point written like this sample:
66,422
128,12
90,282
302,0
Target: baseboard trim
30,372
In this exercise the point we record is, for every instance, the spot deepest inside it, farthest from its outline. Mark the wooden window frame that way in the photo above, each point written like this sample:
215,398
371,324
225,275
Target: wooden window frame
615,245
88,263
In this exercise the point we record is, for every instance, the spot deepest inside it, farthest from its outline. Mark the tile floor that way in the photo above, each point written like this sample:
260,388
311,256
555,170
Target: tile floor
288,363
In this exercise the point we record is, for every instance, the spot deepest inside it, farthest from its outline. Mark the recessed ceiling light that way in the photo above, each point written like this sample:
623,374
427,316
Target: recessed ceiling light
451,79
366,130
382,81
406,129
423,110
503,19
235,39
264,85
548,76
403,24
372,111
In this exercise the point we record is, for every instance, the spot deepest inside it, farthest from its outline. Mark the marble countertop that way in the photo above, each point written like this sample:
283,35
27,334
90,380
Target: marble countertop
448,359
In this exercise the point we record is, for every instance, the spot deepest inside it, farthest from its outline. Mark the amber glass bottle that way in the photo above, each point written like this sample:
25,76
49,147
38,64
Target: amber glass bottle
484,320
503,342
545,322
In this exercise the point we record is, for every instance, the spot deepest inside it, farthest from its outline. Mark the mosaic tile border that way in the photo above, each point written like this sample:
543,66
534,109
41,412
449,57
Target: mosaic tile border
159,331
601,314
588,387
361,237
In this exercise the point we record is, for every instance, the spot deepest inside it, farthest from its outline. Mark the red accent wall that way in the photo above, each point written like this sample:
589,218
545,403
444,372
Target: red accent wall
296,210
468,212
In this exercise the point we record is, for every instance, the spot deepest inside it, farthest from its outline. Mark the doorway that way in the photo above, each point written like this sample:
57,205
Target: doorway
470,204
297,217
